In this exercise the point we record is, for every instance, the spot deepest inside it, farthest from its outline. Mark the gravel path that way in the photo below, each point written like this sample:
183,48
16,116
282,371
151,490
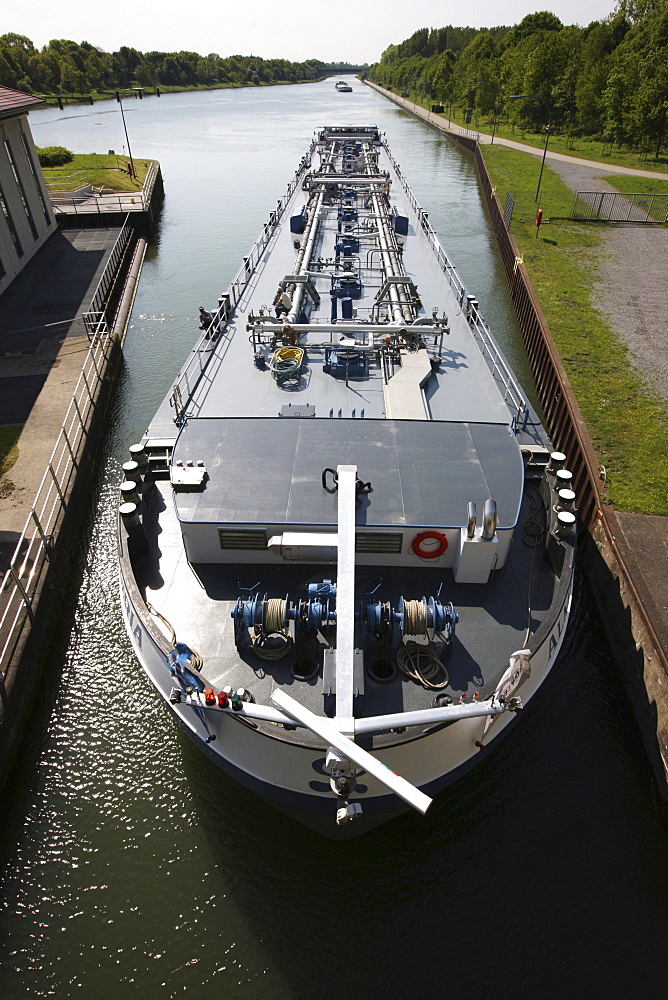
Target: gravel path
632,286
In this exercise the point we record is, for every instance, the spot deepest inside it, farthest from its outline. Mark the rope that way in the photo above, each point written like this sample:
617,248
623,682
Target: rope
274,626
196,660
422,664
415,618
533,530
162,618
274,615
259,640
533,535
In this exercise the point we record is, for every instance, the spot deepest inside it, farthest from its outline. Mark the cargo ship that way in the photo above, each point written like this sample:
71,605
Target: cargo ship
346,543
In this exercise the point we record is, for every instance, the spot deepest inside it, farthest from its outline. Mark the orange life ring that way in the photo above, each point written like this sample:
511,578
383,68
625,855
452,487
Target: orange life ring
429,553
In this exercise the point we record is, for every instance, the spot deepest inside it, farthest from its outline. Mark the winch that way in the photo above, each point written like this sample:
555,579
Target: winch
426,616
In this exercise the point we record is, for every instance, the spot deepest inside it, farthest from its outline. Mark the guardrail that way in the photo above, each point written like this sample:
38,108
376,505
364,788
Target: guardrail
469,306
612,206
68,184
187,379
97,203
99,300
34,549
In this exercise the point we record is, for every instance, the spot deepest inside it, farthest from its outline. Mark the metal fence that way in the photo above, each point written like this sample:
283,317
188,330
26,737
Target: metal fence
508,209
21,582
100,296
97,203
611,206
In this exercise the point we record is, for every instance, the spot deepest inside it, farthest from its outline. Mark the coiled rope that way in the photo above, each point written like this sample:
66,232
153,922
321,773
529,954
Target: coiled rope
274,627
422,664
415,618
534,528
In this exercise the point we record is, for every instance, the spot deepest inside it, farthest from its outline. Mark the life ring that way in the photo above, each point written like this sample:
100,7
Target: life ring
429,553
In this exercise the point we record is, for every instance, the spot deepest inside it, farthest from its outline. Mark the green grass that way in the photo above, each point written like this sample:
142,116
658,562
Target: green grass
627,423
102,170
9,451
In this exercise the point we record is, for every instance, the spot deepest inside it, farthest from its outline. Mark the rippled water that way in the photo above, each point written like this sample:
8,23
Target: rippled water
133,868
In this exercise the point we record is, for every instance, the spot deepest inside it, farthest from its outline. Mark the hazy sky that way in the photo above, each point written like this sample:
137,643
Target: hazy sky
350,30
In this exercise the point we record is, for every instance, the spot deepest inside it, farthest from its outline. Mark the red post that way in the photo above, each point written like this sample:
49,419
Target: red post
539,219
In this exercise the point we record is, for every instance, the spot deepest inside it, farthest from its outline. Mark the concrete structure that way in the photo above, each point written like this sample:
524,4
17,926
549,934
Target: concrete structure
26,214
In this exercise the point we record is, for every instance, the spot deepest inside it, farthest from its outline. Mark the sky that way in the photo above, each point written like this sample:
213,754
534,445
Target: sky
355,31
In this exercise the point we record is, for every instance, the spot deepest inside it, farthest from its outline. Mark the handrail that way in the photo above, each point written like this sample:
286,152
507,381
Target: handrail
187,379
98,301
479,327
127,201
34,548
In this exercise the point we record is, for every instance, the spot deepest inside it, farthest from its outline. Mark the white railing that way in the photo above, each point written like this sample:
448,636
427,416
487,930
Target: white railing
94,203
187,379
99,298
480,329
35,546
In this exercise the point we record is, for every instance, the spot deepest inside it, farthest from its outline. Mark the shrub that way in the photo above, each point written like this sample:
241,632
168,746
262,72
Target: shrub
54,156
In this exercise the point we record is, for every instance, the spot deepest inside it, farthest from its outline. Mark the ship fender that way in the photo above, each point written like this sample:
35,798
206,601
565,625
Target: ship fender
429,553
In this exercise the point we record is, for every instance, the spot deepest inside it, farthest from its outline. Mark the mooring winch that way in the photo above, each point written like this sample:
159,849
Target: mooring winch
426,616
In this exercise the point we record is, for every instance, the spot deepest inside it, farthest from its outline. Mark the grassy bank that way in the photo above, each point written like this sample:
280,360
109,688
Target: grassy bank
95,95
102,170
628,425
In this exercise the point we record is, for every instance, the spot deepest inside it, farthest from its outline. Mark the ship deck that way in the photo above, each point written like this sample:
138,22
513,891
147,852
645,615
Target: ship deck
197,600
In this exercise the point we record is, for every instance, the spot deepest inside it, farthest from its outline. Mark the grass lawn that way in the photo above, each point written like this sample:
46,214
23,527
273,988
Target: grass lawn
101,170
9,452
628,425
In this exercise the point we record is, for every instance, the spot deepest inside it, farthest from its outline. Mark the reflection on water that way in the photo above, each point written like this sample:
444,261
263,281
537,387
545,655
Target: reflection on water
134,868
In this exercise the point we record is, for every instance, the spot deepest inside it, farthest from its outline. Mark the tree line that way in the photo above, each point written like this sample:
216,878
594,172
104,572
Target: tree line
609,78
66,67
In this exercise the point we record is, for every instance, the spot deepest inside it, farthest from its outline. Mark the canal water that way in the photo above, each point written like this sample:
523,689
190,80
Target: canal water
133,868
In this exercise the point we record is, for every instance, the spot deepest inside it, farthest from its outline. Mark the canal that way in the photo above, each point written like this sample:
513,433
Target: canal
133,868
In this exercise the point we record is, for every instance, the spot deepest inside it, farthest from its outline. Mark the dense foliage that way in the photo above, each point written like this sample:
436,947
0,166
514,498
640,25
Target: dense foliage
609,78
54,156
66,67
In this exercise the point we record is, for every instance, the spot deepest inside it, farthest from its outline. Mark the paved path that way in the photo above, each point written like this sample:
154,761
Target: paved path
42,352
608,168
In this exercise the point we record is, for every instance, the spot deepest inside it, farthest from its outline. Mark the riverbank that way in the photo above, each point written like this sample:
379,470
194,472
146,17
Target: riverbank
55,100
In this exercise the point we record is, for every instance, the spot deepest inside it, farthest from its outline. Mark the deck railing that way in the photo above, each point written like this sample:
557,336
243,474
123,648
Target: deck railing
34,549
468,304
187,379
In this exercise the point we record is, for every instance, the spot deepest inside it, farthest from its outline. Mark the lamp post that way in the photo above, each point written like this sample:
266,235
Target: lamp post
119,95
517,97
497,90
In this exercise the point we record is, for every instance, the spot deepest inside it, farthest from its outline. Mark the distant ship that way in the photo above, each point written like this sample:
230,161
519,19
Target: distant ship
344,87
346,545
